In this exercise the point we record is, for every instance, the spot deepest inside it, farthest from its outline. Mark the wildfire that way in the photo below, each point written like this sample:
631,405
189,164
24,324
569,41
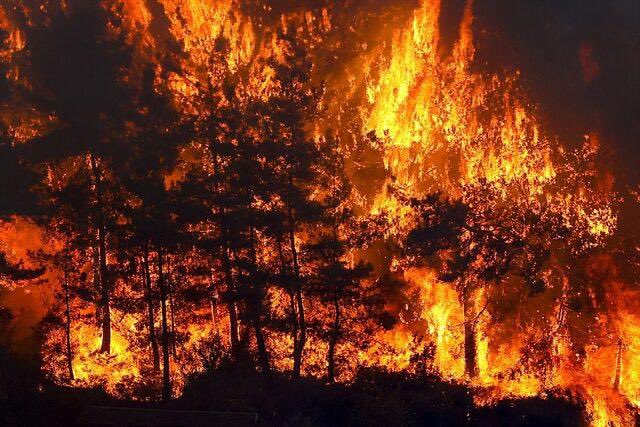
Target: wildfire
448,128
441,125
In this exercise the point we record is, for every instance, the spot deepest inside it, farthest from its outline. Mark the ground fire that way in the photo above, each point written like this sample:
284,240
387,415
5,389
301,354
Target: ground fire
330,196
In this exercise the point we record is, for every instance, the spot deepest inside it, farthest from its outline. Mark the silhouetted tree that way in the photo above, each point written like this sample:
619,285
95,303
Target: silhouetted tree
338,281
294,162
18,178
78,68
146,155
480,241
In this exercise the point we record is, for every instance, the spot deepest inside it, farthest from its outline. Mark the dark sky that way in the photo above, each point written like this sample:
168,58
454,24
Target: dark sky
544,39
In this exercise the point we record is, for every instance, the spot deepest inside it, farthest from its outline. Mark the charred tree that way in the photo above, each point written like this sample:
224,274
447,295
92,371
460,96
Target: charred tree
78,64
230,298
165,338
153,341
338,283
470,351
301,328
67,312
255,302
172,308
105,288
293,164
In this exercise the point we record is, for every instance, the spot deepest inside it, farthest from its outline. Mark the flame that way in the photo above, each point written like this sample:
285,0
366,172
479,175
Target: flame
445,127
441,125
429,107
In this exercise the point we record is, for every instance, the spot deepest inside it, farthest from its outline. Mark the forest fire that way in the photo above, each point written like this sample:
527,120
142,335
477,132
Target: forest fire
311,192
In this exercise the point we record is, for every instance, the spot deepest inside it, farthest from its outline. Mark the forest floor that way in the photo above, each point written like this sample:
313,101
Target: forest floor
375,398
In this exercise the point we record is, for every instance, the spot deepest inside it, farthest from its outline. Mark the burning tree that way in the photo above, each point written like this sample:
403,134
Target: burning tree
479,243
17,179
83,91
339,281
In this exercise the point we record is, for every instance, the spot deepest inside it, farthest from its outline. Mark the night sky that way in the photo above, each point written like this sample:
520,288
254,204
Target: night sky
552,42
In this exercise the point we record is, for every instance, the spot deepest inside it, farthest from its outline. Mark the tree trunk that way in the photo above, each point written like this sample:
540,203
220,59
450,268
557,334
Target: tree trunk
168,284
255,309
166,375
231,303
95,257
68,326
616,379
335,330
213,307
263,355
333,340
150,314
102,255
292,301
298,350
174,348
470,359
234,339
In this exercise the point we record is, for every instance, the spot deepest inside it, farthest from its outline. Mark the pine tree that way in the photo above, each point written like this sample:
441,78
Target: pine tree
146,154
78,70
482,241
294,162
338,282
